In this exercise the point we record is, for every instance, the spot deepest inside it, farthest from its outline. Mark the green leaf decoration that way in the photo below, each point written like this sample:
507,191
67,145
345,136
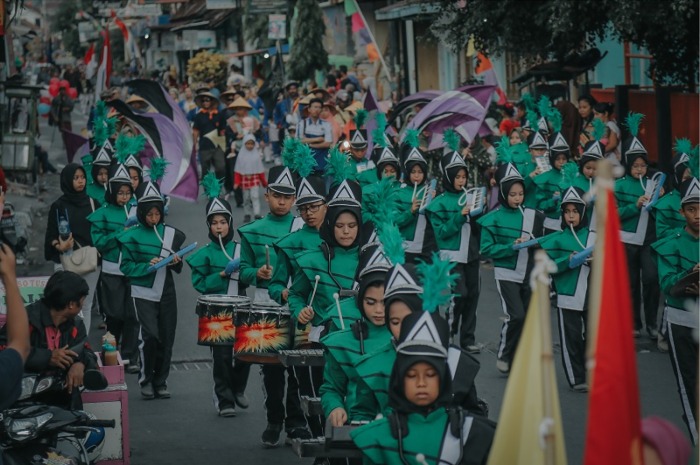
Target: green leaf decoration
633,121
599,129
504,154
568,174
211,186
528,101
411,138
157,170
338,167
437,281
451,139
304,162
555,119
544,106
289,149
126,145
683,145
694,162
360,117
532,119
392,243
381,204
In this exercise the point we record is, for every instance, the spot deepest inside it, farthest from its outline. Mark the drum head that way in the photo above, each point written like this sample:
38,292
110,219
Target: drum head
224,299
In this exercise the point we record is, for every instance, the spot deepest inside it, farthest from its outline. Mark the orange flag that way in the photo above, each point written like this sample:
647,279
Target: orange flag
613,434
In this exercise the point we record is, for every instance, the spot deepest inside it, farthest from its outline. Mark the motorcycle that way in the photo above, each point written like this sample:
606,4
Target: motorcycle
33,433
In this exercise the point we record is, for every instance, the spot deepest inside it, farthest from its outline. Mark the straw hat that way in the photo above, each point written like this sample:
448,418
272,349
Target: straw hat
240,103
200,96
228,93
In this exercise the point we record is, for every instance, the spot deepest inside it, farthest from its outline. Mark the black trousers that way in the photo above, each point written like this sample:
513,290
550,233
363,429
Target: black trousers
515,298
281,407
158,322
310,380
572,333
230,376
114,296
683,350
465,302
644,283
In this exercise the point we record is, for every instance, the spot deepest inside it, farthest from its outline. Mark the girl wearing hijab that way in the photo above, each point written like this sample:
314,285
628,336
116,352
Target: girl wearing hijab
73,207
249,175
115,293
422,427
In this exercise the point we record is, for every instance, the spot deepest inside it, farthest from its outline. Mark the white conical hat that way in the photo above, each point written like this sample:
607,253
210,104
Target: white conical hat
401,281
423,339
151,193
217,208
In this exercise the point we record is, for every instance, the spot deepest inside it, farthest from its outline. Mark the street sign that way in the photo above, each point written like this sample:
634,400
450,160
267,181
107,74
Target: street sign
277,27
194,39
266,6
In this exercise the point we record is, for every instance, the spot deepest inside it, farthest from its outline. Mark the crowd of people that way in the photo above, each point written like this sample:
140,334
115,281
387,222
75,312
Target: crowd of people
382,268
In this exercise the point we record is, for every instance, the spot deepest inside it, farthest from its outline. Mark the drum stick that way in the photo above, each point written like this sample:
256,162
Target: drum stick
170,258
317,278
420,458
267,256
336,297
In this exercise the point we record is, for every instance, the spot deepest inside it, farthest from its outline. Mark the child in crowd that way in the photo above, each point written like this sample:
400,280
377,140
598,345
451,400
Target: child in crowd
249,175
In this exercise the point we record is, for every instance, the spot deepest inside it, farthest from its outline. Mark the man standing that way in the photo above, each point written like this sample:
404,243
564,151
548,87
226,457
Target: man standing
61,108
316,133
284,114
207,126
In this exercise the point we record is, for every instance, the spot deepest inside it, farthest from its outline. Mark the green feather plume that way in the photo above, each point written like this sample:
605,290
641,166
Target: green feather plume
633,121
380,119
411,138
694,162
87,163
528,101
289,149
103,127
437,281
126,145
683,145
532,119
503,151
451,139
303,162
210,185
338,166
360,117
520,153
378,138
392,243
544,106
568,173
599,129
381,203
157,170
555,119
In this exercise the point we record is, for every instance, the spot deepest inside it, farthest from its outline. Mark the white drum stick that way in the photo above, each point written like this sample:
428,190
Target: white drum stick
317,278
340,314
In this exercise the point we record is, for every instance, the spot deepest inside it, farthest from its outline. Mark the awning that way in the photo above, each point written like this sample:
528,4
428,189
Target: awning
406,9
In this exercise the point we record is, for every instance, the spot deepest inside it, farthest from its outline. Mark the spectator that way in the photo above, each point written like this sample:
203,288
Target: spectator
250,176
317,133
284,114
61,108
208,124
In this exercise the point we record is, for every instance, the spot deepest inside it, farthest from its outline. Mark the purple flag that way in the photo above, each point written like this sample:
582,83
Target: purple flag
75,145
369,102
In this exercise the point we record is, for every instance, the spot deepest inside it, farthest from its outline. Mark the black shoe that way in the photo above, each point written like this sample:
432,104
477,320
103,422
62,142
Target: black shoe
271,435
162,393
147,392
241,400
297,433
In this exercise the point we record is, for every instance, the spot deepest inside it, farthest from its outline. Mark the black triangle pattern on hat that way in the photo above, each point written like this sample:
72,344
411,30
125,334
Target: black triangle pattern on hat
636,147
682,158
455,159
571,195
511,174
305,189
217,208
310,190
692,192
593,150
377,261
108,146
387,156
282,182
151,193
342,193
103,158
538,142
358,138
542,125
559,143
423,334
132,162
121,175
415,156
401,280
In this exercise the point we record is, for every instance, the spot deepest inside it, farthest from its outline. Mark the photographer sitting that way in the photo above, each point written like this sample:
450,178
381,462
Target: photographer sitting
58,339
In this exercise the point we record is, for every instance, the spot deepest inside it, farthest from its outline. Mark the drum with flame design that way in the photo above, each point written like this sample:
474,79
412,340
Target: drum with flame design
216,313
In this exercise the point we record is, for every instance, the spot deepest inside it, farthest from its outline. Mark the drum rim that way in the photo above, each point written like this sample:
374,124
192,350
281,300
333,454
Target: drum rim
223,299
269,310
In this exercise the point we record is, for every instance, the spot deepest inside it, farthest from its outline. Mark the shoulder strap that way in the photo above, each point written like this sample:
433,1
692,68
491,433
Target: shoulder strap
92,204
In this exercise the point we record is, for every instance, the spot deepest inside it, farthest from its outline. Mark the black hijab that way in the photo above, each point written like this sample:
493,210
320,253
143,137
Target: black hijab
327,228
70,195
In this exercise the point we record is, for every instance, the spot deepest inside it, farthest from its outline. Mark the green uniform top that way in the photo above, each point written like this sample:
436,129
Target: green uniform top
312,263
207,264
139,246
107,222
350,313
677,255
340,388
635,222
457,235
500,229
668,217
571,284
254,237
374,369
523,162
585,184
96,192
406,220
364,171
286,250
547,186
429,435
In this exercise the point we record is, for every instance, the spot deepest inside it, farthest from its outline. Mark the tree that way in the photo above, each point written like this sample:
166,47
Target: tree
308,53
551,29
64,21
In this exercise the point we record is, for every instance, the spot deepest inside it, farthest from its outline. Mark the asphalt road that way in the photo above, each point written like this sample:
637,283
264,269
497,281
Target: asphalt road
186,429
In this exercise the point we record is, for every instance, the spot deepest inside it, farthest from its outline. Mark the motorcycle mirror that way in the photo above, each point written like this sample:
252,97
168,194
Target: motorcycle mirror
94,380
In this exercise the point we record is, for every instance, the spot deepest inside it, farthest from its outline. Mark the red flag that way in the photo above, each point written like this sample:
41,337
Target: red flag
484,69
88,55
613,434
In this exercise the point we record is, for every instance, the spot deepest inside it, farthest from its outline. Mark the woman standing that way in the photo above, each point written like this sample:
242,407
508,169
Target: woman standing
72,209
585,110
604,112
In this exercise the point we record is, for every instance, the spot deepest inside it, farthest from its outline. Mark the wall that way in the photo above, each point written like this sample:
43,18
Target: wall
611,70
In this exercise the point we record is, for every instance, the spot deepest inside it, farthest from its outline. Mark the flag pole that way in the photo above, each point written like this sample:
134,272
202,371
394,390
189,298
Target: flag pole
541,285
604,183
369,31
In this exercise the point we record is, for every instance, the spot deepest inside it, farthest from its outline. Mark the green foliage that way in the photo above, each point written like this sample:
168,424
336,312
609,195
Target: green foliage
451,139
210,185
633,121
437,281
338,167
308,53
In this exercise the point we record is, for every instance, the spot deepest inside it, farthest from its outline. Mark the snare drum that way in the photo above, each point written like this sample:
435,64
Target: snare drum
216,313
262,331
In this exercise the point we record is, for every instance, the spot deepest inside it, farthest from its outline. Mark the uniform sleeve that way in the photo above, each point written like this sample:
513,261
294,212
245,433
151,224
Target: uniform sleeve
334,387
205,280
625,208
130,265
545,198
405,216
670,271
178,241
103,239
662,224
299,292
280,276
445,224
492,248
248,271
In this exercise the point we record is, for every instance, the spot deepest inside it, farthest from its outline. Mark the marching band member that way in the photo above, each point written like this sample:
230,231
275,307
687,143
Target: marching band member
364,168
593,152
208,266
509,225
154,294
256,239
668,218
638,230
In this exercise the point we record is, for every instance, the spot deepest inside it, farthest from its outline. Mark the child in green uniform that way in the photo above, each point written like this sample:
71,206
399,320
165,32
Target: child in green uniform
538,147
502,229
677,258
257,239
209,276
115,292
571,284
154,294
458,234
638,232
667,208
587,164
422,428
548,194
99,171
363,169
388,166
